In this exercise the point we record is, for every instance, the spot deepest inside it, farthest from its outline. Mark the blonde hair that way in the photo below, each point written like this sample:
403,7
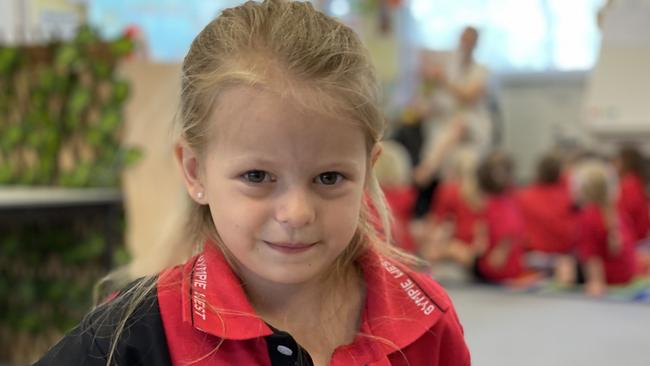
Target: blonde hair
287,47
597,185
463,168
393,168
595,182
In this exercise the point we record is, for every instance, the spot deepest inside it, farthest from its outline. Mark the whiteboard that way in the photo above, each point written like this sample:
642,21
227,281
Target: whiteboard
618,90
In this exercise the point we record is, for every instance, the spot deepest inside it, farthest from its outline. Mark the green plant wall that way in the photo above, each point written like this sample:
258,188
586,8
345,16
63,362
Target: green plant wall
61,113
48,270
61,124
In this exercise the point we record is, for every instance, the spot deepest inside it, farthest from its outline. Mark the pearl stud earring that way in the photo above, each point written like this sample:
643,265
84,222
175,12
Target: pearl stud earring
199,195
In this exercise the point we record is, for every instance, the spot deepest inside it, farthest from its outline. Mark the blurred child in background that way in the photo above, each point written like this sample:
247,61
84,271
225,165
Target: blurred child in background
457,210
632,200
410,133
393,171
605,236
486,234
427,173
547,211
500,240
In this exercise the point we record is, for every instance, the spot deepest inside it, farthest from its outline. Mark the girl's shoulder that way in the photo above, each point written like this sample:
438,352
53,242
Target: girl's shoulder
409,309
418,312
405,284
134,315
449,187
591,215
590,211
632,183
503,202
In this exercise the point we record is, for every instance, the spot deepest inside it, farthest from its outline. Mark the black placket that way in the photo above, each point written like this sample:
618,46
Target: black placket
285,351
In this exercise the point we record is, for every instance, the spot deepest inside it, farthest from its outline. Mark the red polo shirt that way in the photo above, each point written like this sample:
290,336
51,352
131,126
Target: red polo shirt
593,242
548,216
450,205
407,319
633,204
504,223
401,200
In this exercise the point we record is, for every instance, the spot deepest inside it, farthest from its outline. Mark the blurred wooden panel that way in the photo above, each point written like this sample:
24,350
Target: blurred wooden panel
153,190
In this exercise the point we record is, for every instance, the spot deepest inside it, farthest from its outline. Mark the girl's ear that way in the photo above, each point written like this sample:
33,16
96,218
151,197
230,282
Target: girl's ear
374,156
375,153
188,161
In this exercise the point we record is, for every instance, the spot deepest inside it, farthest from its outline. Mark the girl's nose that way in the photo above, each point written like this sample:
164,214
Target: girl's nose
295,208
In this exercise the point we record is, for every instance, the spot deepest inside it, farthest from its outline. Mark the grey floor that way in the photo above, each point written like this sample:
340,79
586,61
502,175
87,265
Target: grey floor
504,328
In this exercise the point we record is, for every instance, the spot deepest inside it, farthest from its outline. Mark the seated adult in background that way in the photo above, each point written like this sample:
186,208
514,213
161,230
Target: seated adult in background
454,91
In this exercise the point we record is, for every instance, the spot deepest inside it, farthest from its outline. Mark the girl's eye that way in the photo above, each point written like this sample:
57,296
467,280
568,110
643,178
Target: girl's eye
257,176
329,178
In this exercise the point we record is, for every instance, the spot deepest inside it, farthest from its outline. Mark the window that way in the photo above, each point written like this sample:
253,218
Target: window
516,35
168,26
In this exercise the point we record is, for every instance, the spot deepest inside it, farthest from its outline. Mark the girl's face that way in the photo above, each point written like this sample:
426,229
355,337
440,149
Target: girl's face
284,185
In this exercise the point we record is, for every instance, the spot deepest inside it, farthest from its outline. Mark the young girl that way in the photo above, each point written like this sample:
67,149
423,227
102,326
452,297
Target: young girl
459,206
550,228
632,200
280,129
500,244
605,237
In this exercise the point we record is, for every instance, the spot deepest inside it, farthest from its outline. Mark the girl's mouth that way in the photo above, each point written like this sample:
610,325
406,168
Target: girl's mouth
290,248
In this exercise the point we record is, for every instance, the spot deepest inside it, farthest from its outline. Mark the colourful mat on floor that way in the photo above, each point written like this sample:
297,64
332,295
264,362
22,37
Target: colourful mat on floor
637,291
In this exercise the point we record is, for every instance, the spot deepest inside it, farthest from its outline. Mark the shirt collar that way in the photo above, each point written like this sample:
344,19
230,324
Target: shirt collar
214,301
400,305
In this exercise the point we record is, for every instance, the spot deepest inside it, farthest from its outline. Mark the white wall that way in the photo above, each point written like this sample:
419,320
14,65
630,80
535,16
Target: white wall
9,21
538,111
37,21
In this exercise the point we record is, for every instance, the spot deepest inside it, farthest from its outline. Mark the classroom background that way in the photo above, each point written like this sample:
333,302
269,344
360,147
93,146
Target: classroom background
515,162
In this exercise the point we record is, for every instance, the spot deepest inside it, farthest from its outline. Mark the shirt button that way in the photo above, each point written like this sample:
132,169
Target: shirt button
285,350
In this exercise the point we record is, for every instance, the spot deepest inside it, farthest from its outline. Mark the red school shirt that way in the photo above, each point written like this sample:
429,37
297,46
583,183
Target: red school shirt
548,217
401,200
633,204
593,242
450,205
208,319
504,223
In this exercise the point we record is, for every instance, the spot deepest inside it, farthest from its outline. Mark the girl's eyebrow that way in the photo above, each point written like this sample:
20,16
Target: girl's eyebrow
251,160
341,164
325,165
